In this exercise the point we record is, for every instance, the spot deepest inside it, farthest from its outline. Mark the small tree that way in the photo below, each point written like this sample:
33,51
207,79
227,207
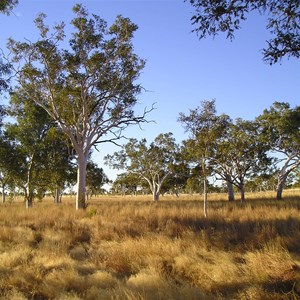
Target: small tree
89,89
126,183
42,157
95,178
204,126
151,163
212,17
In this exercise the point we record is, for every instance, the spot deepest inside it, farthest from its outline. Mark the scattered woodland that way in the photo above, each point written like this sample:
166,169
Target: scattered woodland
215,216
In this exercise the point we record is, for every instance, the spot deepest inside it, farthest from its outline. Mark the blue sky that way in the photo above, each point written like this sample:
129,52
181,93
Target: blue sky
181,71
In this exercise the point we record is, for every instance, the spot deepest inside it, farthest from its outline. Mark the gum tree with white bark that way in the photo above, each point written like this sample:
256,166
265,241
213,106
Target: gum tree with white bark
89,88
280,130
151,163
204,127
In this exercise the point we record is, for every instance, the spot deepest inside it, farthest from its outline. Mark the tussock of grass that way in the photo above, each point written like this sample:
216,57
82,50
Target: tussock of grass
135,249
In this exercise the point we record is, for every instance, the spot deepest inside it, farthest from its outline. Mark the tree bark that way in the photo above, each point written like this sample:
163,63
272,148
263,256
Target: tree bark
57,195
205,201
242,191
280,185
81,181
155,191
28,188
230,191
155,196
28,202
3,192
28,197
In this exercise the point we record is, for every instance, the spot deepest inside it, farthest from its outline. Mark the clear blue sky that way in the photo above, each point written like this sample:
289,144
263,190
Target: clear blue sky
181,70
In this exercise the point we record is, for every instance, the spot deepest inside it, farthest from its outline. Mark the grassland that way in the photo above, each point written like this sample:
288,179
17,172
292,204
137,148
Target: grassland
133,248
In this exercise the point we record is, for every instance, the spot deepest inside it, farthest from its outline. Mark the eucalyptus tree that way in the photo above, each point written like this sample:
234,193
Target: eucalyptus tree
240,155
89,88
204,127
41,157
28,134
283,19
280,130
126,183
152,163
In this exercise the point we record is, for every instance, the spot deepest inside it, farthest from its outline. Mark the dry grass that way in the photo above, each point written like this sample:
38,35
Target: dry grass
132,248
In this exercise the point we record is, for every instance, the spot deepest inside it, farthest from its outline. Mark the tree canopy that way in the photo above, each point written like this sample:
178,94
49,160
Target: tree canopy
212,17
152,163
89,88
280,126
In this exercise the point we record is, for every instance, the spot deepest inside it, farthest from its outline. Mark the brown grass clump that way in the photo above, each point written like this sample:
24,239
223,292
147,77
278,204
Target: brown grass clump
132,248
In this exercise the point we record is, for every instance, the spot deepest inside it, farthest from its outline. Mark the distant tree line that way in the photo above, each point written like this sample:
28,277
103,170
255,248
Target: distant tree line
263,154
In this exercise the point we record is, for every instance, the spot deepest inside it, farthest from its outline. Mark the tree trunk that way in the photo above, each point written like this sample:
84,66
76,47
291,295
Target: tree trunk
230,191
57,195
242,191
284,173
205,201
28,202
155,192
3,192
81,180
155,196
280,185
28,188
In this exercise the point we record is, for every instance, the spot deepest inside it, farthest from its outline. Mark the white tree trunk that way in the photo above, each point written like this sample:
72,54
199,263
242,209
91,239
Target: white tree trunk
81,181
281,183
230,191
57,195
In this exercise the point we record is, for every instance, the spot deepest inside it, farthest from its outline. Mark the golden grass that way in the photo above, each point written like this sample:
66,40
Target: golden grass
132,248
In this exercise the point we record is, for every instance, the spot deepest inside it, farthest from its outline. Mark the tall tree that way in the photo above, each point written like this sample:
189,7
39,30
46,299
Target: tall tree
212,17
280,131
90,87
151,163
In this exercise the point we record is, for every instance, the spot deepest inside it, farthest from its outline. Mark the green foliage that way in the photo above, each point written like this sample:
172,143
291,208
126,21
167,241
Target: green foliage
279,129
95,178
151,163
89,87
42,154
212,17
